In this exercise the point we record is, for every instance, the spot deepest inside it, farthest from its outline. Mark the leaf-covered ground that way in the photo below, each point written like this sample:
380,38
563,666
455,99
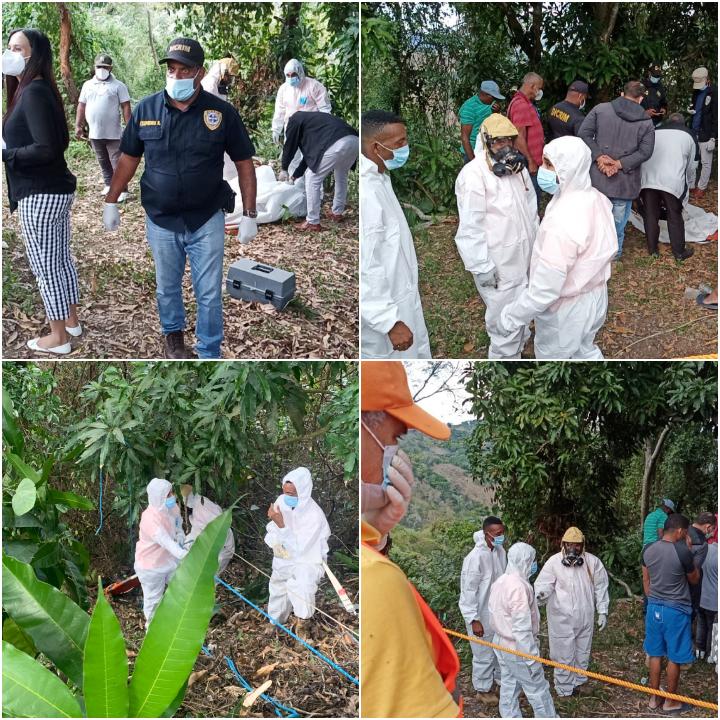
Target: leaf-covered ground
648,314
117,285
617,652
299,679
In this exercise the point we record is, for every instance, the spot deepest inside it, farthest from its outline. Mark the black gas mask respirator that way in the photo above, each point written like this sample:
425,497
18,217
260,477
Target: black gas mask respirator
571,557
507,161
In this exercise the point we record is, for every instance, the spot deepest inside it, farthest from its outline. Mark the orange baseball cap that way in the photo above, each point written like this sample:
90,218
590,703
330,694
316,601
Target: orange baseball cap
384,386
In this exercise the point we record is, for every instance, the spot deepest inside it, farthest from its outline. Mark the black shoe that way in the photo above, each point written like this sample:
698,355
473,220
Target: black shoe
175,346
686,253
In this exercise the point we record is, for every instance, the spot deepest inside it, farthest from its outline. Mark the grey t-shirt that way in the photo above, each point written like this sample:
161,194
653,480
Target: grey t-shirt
709,595
102,100
668,565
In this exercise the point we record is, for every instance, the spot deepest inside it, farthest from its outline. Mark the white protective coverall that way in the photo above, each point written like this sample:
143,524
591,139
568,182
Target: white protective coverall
573,594
498,221
482,566
570,266
157,552
515,620
204,511
211,83
300,548
388,271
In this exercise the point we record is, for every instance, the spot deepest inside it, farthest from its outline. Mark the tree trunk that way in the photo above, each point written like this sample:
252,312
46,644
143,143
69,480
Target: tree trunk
150,37
653,449
65,69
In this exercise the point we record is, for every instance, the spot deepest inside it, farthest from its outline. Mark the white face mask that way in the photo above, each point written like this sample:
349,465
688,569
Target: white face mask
539,95
102,73
389,452
13,63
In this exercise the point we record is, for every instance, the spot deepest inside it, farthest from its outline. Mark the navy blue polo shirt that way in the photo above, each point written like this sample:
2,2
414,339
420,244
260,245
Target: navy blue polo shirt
182,185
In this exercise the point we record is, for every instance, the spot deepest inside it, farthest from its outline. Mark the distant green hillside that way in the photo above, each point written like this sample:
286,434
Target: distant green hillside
444,485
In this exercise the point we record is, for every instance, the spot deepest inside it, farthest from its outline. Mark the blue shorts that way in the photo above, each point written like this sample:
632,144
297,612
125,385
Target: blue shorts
668,634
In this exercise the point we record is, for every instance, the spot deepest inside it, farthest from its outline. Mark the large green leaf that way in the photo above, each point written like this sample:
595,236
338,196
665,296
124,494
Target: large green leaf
57,626
22,550
105,667
23,500
23,468
31,690
70,499
178,628
11,432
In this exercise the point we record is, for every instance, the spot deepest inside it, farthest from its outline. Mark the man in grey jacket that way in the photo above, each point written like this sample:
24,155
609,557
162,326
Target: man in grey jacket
621,137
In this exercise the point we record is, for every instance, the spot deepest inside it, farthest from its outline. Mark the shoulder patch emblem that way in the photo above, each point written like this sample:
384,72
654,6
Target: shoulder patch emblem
212,119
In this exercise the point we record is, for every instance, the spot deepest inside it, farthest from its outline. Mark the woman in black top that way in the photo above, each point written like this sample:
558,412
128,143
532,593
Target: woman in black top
40,186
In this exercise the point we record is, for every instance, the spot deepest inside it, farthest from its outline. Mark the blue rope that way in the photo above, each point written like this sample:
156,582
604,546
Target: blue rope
291,713
100,503
324,658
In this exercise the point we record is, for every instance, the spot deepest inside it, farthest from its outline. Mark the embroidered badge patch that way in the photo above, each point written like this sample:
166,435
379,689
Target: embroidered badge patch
212,119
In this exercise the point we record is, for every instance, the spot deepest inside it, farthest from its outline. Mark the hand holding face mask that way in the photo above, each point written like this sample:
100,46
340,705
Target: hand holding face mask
397,495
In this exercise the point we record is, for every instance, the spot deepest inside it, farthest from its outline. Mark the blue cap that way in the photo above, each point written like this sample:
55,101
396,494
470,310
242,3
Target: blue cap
491,88
669,503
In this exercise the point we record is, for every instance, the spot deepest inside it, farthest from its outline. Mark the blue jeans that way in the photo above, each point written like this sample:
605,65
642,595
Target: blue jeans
621,214
204,248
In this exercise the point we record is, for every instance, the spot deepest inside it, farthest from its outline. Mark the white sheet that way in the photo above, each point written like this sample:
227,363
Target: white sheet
698,225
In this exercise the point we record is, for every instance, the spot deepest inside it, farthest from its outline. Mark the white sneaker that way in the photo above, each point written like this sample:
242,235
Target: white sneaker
122,197
57,350
105,190
74,331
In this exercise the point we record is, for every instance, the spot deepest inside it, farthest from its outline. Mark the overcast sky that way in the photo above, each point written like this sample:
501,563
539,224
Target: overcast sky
447,404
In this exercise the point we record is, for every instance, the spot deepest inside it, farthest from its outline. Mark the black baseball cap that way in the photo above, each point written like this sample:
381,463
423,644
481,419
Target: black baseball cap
579,86
103,60
185,51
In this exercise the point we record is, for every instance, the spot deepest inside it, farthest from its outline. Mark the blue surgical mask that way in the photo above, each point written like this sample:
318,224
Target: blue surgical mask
498,540
533,568
170,503
290,500
547,180
303,100
180,89
293,81
654,79
399,158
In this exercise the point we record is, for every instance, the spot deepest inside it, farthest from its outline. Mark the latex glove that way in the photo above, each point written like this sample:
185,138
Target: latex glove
283,176
542,597
280,552
710,145
691,110
111,217
276,137
486,279
602,621
290,181
387,516
247,229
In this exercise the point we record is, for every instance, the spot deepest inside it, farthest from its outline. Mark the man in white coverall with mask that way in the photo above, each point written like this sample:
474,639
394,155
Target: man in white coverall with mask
202,512
297,533
515,620
391,314
482,566
570,267
574,584
497,208
158,550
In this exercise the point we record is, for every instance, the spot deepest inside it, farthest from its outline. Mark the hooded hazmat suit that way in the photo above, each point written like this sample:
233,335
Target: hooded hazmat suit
515,620
573,594
310,95
498,223
482,566
157,552
204,512
299,548
570,267
389,271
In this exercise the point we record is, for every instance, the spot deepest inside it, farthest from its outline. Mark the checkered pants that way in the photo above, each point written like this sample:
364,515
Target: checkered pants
45,223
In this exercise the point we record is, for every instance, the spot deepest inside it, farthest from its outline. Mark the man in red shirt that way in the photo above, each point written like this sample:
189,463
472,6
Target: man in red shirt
526,118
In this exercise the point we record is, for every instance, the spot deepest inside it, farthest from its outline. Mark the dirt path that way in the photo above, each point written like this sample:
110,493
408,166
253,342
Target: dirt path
648,315
117,285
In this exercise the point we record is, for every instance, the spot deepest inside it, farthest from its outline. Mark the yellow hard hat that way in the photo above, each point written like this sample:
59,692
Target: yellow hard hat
573,535
185,490
497,126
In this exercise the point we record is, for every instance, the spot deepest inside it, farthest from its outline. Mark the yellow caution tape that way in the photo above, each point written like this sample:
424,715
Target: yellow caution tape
594,675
